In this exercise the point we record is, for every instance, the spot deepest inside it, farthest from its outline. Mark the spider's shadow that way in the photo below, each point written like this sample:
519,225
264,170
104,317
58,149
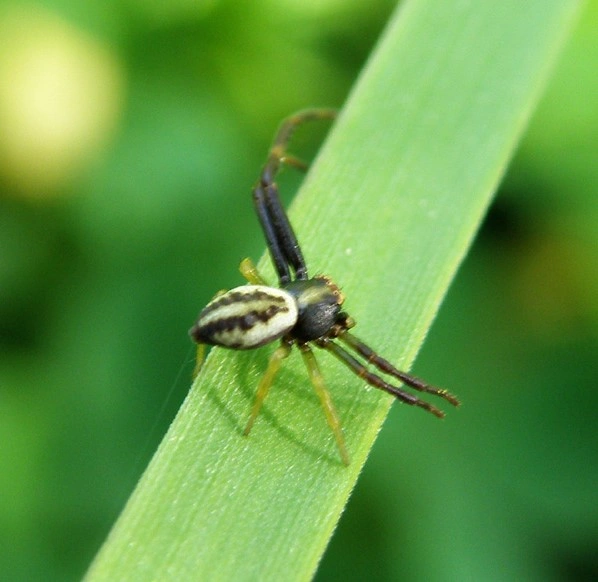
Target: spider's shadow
288,379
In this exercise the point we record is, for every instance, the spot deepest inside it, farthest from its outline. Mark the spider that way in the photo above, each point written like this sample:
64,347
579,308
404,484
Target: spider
301,311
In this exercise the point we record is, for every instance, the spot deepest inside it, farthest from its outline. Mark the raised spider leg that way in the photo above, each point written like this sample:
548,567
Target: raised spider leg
320,387
373,380
385,366
280,238
264,386
297,163
278,151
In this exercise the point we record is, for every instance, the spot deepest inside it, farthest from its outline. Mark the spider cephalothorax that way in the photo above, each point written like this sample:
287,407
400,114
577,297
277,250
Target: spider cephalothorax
301,311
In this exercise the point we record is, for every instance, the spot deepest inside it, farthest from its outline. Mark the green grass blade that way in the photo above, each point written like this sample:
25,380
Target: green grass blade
388,211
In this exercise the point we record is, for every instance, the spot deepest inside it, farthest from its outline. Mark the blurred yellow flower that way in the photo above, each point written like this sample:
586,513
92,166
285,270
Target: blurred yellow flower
61,93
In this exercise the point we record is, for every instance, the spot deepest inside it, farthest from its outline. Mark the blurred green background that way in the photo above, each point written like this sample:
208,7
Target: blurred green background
130,134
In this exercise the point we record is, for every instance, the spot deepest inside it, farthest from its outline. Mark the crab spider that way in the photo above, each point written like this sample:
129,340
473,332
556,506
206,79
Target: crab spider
301,311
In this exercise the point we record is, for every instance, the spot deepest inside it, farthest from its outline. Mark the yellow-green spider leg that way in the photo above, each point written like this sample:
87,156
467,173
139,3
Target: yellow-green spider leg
278,152
293,161
200,357
249,271
264,386
317,381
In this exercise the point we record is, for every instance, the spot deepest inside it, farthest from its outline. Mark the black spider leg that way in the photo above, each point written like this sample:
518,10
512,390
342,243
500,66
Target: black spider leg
376,381
385,366
280,237
281,240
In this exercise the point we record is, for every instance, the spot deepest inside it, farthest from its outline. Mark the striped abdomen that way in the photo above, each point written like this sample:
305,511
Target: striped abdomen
246,317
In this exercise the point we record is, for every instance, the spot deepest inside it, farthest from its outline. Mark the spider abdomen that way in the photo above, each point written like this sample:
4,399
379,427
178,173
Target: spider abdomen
246,317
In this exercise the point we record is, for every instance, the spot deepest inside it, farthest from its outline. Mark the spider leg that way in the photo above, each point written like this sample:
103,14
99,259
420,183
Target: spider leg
331,415
297,163
264,386
385,366
200,357
373,380
278,151
280,238
249,271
